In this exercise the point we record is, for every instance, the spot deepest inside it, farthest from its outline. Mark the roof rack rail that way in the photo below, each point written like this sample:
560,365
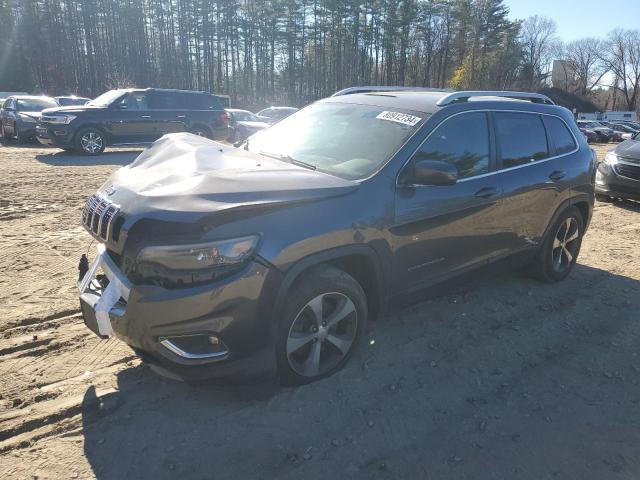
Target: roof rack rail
384,88
464,96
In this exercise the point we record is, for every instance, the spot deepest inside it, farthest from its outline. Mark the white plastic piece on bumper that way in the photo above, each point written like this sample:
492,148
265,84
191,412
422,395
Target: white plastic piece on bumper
119,287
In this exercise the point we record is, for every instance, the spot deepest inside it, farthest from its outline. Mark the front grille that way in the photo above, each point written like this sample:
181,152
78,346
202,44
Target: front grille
629,171
98,215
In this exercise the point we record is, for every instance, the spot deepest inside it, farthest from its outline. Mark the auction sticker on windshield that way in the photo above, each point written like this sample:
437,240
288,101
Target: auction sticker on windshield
398,117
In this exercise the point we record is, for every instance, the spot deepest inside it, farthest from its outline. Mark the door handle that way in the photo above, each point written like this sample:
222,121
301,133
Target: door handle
182,116
486,192
146,116
557,175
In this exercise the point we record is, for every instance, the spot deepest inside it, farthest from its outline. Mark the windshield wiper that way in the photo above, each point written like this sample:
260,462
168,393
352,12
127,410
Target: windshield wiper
290,159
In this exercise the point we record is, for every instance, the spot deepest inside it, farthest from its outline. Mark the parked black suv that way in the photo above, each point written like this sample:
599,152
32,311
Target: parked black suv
218,260
132,116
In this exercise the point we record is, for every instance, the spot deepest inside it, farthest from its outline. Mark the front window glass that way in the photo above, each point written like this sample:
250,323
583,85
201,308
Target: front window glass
34,104
462,140
135,101
347,140
106,98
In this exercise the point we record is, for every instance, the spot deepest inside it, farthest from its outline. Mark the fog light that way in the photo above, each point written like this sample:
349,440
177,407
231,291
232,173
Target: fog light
197,346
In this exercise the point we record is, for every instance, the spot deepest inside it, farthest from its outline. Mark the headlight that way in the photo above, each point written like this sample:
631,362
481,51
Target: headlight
611,158
202,255
26,118
59,119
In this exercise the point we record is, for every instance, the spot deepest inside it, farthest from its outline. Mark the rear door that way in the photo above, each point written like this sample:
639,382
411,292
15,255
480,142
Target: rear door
442,229
533,171
168,111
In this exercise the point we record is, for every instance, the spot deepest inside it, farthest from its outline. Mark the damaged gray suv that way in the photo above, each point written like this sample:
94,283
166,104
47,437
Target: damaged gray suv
217,261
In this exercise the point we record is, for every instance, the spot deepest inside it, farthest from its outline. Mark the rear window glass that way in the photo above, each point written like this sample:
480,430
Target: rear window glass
559,135
184,101
521,138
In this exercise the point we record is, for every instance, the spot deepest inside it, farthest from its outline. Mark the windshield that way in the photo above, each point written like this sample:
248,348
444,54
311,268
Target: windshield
347,140
106,98
34,104
68,101
244,117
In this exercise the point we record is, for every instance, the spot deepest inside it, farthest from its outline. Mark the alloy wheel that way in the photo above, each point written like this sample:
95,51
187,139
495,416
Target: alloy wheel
91,142
322,334
565,245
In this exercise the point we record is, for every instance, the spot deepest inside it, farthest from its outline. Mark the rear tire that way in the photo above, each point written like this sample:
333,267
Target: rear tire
560,249
90,141
322,322
201,131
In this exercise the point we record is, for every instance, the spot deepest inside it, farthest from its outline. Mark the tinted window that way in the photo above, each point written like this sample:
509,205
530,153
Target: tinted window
559,135
183,101
135,101
521,138
462,140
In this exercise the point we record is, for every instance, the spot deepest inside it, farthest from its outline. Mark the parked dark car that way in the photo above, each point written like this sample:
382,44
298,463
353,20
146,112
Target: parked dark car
71,101
243,124
19,115
132,117
272,115
590,135
218,261
605,134
618,174
625,131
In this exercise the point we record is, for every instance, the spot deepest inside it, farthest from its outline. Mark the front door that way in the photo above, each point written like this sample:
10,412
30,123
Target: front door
442,229
133,121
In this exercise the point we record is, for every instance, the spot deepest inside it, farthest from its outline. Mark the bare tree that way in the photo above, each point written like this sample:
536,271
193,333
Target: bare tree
540,46
622,58
584,58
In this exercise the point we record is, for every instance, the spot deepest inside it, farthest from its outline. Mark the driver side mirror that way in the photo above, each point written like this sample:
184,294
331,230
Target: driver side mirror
433,172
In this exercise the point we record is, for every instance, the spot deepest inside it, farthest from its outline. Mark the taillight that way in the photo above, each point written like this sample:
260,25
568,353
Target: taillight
224,116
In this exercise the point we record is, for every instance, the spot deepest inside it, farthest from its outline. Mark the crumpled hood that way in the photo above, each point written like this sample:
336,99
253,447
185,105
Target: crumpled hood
629,148
190,176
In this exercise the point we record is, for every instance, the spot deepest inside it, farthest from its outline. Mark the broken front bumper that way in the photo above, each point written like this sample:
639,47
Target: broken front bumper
163,325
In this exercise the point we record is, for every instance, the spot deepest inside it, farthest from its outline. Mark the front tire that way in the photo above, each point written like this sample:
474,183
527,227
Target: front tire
90,141
561,247
320,326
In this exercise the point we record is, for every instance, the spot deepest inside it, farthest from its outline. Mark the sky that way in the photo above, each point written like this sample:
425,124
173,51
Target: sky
580,18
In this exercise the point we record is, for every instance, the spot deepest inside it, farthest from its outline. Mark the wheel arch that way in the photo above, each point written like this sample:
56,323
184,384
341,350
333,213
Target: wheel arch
201,125
359,261
581,202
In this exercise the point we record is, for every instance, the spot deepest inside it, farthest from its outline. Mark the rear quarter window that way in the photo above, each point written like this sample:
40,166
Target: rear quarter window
521,138
560,137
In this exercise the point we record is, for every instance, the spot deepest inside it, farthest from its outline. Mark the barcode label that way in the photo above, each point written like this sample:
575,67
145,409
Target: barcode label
398,117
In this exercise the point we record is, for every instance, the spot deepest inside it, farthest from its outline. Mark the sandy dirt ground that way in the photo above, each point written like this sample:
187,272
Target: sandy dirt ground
503,378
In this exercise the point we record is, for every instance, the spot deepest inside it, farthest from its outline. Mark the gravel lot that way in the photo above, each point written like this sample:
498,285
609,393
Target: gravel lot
503,378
